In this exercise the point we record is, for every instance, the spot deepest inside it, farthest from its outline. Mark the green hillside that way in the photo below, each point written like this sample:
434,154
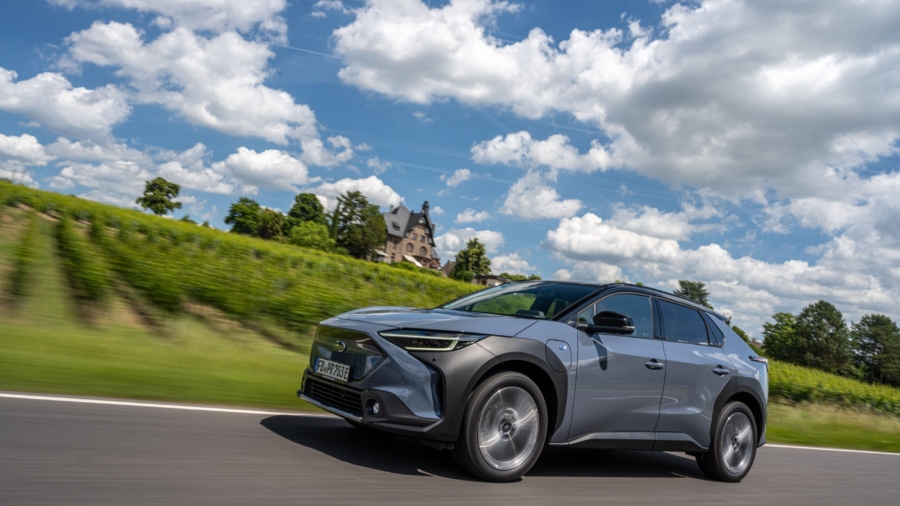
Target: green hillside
98,300
106,301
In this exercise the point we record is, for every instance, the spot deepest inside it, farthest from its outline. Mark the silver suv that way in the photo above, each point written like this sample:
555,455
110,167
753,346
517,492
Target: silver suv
498,374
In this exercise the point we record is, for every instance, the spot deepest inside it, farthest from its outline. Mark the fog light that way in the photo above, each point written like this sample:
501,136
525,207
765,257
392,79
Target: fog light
376,408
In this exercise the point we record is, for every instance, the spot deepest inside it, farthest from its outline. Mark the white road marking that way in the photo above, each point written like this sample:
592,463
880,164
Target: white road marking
155,405
819,448
81,400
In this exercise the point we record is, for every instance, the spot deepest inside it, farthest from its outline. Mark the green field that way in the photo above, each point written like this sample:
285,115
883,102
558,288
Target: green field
117,303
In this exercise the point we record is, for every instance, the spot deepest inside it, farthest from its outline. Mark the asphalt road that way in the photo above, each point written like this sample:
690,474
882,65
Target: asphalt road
65,453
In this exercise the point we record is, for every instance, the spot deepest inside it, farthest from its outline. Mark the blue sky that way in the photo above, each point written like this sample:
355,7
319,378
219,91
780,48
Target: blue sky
750,145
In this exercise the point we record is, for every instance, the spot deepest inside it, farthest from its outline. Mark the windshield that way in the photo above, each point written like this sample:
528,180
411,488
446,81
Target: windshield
533,299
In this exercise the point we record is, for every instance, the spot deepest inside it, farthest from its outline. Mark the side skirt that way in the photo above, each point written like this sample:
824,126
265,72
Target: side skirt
661,441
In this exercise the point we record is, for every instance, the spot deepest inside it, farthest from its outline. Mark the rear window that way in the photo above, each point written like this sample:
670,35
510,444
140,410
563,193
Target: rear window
683,324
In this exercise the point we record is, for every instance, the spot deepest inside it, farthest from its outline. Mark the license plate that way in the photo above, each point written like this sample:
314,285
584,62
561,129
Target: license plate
332,370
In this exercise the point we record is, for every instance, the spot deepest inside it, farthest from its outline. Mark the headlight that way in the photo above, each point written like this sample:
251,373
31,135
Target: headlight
424,340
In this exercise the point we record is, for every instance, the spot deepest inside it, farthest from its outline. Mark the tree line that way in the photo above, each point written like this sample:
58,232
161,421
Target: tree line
355,227
819,337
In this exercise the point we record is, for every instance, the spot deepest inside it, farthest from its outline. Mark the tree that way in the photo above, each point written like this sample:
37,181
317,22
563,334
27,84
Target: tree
472,259
824,339
519,277
307,208
877,341
310,234
817,337
693,290
159,196
244,216
358,225
779,338
272,224
187,219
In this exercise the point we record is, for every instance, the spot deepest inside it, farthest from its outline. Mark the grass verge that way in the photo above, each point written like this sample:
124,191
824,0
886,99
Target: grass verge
833,426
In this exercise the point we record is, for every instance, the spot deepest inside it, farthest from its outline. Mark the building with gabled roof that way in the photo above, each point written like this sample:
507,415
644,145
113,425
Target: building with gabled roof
410,235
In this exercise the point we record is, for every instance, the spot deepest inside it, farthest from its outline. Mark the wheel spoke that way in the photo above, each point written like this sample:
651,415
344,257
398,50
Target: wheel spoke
508,428
736,443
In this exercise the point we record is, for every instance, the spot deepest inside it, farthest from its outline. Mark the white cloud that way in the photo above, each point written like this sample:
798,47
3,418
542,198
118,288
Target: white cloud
437,210
459,176
24,149
470,216
87,151
650,221
728,94
373,188
512,263
215,15
556,153
215,82
50,99
267,169
450,242
532,197
377,165
320,8
117,183
752,288
315,152
421,116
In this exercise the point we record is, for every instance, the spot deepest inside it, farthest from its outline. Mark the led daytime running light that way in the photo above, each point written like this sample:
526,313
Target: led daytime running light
413,340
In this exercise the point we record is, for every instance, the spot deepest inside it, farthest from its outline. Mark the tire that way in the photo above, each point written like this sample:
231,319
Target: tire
508,412
733,447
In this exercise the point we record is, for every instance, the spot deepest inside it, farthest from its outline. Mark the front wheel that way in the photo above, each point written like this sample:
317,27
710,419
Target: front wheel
733,447
504,428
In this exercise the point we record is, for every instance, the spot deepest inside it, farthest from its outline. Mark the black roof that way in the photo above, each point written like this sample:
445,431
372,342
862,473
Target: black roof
641,289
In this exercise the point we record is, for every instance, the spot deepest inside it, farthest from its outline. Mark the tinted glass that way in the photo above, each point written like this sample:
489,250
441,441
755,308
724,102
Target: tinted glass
636,306
586,315
716,337
683,324
530,299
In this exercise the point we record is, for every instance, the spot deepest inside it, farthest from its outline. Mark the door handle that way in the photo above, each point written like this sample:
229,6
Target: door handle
654,365
721,371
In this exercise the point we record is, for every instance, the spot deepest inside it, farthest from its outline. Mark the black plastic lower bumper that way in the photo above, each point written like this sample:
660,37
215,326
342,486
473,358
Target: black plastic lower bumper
356,405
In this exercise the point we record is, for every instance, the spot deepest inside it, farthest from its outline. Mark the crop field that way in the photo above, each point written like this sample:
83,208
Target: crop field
97,300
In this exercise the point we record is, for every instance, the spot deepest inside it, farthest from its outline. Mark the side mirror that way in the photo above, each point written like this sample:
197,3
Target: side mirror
608,322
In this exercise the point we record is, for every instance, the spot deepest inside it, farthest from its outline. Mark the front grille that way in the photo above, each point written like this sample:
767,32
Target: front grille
359,350
334,397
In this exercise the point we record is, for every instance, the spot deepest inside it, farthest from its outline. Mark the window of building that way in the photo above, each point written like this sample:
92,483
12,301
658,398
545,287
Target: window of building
409,248
422,239
414,236
396,225
423,251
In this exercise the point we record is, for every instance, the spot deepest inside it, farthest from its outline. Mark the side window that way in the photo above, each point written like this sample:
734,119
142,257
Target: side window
636,306
586,315
683,324
716,337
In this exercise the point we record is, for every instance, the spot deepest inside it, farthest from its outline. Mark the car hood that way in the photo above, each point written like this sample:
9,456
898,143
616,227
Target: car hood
439,319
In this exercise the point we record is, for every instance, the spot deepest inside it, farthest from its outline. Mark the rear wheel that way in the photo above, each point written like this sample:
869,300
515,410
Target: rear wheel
504,428
733,448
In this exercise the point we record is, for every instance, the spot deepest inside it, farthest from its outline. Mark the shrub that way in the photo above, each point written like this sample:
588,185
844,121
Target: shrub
85,271
23,257
804,384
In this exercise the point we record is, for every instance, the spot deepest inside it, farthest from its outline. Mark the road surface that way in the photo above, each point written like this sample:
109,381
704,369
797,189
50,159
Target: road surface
77,453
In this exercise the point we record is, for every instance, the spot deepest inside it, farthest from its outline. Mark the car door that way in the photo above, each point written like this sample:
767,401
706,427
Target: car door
696,372
620,377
